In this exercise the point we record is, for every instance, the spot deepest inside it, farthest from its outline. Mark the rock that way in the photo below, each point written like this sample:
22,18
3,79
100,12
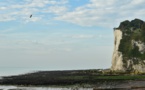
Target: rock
117,63
129,47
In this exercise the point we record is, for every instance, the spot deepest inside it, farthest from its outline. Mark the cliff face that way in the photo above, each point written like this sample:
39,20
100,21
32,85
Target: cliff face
129,46
117,63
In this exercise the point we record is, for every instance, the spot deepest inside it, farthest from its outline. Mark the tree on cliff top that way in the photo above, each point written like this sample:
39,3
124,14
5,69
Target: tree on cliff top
143,31
134,30
134,24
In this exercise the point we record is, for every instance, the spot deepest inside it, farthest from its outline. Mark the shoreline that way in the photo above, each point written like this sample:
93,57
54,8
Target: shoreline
125,85
77,78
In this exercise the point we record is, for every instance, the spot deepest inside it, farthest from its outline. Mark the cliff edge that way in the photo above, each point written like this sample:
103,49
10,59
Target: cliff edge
129,46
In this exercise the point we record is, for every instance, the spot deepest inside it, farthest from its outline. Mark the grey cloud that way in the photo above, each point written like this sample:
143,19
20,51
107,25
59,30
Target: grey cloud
56,9
104,12
22,9
82,36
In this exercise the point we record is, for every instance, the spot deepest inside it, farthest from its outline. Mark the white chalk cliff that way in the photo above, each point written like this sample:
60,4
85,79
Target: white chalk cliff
131,55
117,63
117,58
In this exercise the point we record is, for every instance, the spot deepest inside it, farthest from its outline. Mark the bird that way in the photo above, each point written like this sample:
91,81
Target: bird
30,15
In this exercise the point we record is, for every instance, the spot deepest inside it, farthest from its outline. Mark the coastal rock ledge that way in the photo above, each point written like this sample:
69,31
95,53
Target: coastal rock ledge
129,46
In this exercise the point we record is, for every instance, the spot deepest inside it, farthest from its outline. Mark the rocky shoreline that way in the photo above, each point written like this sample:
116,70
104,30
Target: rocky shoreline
77,78
114,85
123,85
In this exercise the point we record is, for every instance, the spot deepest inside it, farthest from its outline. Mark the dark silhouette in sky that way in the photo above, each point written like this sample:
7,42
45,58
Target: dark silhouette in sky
30,15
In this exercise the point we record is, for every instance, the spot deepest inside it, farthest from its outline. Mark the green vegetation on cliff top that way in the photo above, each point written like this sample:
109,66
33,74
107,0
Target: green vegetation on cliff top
132,30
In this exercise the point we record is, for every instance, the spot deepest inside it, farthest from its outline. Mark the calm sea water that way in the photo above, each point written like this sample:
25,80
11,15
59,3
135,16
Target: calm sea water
41,88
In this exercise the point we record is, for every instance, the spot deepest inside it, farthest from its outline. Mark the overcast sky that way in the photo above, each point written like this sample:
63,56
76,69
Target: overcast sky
62,34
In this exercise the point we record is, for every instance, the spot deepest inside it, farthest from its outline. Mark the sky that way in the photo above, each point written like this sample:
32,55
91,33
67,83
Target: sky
62,34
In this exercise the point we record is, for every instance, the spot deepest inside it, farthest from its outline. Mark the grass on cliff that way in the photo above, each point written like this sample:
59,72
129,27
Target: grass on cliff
134,30
107,77
122,77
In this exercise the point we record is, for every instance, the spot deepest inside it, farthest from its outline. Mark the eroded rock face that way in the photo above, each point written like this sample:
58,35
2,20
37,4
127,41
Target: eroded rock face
140,45
117,63
129,46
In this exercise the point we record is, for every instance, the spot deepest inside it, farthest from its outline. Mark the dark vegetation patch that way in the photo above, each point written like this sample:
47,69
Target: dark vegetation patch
134,30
